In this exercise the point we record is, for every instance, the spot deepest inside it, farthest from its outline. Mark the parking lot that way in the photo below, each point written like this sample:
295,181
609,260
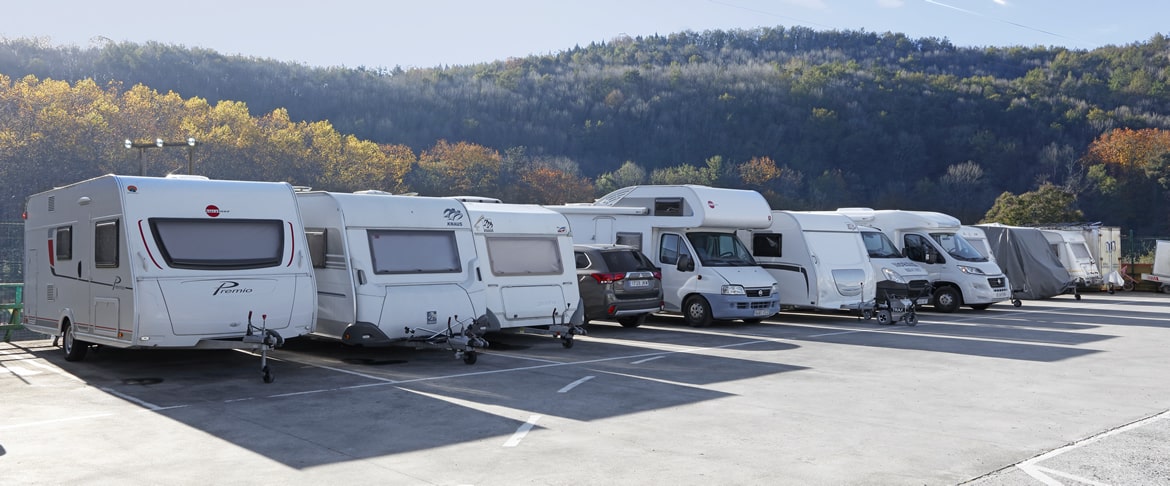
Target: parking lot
1056,391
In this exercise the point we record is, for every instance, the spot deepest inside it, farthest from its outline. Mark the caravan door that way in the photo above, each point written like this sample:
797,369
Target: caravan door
109,276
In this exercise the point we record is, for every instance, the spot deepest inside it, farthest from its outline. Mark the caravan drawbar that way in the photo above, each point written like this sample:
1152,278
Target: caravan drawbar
177,262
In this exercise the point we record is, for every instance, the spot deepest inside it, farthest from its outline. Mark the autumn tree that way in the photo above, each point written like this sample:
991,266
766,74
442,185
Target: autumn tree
1126,169
450,169
1047,204
629,174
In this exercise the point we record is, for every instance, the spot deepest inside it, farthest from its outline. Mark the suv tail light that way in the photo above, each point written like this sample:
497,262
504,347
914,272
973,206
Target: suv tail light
604,278
658,275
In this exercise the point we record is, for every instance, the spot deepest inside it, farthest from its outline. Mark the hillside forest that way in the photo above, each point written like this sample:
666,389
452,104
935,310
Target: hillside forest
811,119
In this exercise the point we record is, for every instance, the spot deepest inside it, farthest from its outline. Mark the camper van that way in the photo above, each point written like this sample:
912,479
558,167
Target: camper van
818,259
961,275
527,264
1074,253
690,232
394,268
178,262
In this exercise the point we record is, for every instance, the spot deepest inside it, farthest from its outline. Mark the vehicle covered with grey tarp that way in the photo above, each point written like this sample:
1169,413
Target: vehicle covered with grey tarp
1031,265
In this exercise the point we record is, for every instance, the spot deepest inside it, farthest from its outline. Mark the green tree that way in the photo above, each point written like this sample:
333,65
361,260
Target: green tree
1047,204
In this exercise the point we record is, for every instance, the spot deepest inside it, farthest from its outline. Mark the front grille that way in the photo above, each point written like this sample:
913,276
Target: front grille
997,282
753,305
758,292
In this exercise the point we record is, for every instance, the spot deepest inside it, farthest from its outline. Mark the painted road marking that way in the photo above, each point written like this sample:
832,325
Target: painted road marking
574,384
652,358
1039,473
522,431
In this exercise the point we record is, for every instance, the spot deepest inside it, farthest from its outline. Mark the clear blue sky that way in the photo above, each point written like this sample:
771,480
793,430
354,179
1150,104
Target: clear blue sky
426,33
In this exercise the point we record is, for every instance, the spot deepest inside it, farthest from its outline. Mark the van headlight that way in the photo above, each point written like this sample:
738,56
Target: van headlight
893,276
971,270
732,290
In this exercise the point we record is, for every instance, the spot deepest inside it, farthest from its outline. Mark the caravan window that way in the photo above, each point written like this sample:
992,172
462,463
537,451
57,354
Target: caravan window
668,206
105,244
1080,251
630,239
318,246
413,251
767,245
219,244
63,243
524,256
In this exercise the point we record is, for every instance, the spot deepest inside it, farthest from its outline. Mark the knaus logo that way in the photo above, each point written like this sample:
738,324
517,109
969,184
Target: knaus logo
453,216
230,287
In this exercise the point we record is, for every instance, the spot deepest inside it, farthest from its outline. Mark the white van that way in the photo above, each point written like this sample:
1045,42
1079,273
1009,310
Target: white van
530,272
818,259
1074,253
961,274
707,273
395,268
178,262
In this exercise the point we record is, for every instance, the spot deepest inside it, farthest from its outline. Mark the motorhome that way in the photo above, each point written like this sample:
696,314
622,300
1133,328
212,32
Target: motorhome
178,262
530,270
961,275
978,239
818,259
392,268
690,231
1074,253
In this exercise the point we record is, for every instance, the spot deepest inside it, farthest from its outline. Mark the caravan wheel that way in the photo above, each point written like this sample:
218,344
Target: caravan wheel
74,348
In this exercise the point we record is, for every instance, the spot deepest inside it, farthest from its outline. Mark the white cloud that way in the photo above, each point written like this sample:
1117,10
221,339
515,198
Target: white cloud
1000,2
891,3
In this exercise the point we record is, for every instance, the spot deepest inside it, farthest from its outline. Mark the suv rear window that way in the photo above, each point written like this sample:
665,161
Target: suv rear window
626,261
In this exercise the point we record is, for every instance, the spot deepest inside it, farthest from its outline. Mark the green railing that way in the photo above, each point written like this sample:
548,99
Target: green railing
11,303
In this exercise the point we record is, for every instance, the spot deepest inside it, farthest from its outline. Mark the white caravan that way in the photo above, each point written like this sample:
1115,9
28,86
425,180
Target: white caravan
707,273
530,270
978,239
818,259
1076,257
178,262
394,268
961,275
1160,270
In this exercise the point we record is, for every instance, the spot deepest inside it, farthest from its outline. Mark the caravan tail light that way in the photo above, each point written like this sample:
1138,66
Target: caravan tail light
604,278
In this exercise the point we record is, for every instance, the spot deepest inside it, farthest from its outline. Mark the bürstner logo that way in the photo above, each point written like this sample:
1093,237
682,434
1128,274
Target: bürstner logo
453,216
229,287
213,210
711,204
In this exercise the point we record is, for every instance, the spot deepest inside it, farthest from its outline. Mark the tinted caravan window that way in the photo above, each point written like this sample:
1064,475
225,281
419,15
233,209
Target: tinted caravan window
524,256
413,251
222,244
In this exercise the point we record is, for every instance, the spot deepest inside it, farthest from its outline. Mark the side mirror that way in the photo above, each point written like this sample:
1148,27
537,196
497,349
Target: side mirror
928,256
686,263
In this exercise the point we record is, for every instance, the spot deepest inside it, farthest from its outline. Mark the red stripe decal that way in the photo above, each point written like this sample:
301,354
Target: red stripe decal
293,237
144,245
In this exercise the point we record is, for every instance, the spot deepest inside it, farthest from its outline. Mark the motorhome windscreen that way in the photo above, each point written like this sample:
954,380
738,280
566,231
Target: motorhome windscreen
414,251
720,249
878,245
524,256
220,244
958,247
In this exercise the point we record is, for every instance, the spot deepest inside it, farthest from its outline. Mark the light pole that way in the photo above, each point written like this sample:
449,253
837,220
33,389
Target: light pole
159,143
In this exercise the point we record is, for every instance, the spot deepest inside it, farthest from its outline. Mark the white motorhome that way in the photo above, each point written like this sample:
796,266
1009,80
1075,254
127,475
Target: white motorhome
1076,257
394,268
961,275
178,262
531,275
707,273
818,259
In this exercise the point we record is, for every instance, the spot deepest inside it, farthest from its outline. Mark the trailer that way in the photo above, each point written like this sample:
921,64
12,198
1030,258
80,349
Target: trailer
395,269
690,230
1074,254
176,262
961,274
818,259
530,273
1160,271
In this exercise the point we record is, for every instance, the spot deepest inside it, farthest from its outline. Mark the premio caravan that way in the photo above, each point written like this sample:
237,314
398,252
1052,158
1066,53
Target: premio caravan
818,259
961,275
690,230
178,262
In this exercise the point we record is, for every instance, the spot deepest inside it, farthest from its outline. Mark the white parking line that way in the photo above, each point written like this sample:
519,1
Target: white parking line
652,358
574,384
522,431
1039,473
129,398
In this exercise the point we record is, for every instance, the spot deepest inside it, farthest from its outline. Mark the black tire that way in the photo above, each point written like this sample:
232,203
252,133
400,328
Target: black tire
883,317
268,377
470,357
980,306
75,349
1017,302
632,321
567,342
697,312
946,299
911,319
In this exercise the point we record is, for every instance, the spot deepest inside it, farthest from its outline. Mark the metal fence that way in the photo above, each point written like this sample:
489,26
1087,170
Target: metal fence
12,252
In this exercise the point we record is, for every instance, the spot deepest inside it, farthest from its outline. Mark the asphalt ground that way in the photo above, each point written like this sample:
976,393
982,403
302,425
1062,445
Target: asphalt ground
1058,391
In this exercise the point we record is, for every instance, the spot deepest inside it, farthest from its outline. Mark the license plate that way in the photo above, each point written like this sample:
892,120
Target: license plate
762,313
637,284
1003,294
922,301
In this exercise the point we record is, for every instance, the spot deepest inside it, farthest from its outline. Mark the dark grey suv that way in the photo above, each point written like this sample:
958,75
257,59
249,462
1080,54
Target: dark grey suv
617,282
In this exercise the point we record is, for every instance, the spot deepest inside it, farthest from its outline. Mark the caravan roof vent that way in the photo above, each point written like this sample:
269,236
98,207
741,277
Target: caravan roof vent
615,196
479,199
